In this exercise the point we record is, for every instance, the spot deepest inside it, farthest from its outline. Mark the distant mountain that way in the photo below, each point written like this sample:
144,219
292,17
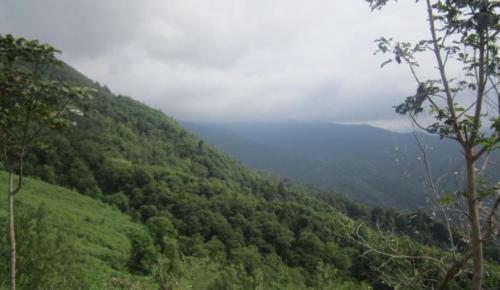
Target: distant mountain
207,221
370,164
200,219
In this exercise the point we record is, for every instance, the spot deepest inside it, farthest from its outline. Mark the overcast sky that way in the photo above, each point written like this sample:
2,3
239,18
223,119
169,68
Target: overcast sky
232,60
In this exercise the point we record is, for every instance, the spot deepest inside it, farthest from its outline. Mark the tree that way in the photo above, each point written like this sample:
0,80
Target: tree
30,103
463,34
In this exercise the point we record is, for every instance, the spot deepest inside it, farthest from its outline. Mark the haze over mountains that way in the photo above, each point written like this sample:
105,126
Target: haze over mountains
370,164
198,219
192,217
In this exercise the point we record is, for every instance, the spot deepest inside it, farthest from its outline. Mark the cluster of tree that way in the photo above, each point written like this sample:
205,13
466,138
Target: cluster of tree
146,165
418,225
208,214
199,203
369,164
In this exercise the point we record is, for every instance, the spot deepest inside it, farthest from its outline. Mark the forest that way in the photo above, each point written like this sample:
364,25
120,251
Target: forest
104,191
181,214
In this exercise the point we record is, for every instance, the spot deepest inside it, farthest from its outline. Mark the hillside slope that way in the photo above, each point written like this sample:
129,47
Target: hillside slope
370,164
197,202
93,236
212,222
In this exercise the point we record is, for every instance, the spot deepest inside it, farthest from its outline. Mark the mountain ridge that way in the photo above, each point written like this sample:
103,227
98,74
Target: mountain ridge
367,163
214,223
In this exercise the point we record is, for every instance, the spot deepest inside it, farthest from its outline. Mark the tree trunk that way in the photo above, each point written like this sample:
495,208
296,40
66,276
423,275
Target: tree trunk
476,240
498,97
12,233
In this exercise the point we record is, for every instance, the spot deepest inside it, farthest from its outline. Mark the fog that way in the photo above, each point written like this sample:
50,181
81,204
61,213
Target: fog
235,60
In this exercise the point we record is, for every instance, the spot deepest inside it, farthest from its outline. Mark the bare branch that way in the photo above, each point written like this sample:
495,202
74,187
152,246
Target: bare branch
454,269
435,190
442,71
491,222
359,240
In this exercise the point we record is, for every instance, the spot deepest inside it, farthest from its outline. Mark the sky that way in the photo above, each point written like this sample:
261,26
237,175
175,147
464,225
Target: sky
234,60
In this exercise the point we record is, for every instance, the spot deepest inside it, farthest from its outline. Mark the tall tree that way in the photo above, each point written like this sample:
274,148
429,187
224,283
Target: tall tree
464,104
30,103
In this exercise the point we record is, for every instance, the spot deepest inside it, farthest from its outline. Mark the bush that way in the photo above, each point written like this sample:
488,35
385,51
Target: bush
45,259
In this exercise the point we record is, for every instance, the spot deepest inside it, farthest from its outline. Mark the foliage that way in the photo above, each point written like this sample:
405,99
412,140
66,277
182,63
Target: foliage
211,222
45,254
369,164
67,240
29,101
464,43
196,203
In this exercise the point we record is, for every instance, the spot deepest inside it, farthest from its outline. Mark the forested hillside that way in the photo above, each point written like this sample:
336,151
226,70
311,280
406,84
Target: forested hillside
366,163
196,202
211,222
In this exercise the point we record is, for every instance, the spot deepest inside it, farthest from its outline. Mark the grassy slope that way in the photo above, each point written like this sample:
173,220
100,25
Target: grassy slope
98,232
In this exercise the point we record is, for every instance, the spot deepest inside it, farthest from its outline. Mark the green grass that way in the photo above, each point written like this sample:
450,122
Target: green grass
98,232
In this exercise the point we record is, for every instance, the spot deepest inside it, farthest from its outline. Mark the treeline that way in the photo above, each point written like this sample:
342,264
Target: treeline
195,201
212,222
417,224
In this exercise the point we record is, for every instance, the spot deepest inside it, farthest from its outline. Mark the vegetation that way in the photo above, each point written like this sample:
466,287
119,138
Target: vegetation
462,34
67,240
197,202
368,164
197,218
30,103
204,210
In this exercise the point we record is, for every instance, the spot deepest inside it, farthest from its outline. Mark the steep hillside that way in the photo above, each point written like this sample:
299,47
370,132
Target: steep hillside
212,222
197,203
370,164
79,242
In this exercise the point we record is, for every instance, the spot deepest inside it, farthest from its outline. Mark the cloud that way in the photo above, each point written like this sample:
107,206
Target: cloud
231,59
